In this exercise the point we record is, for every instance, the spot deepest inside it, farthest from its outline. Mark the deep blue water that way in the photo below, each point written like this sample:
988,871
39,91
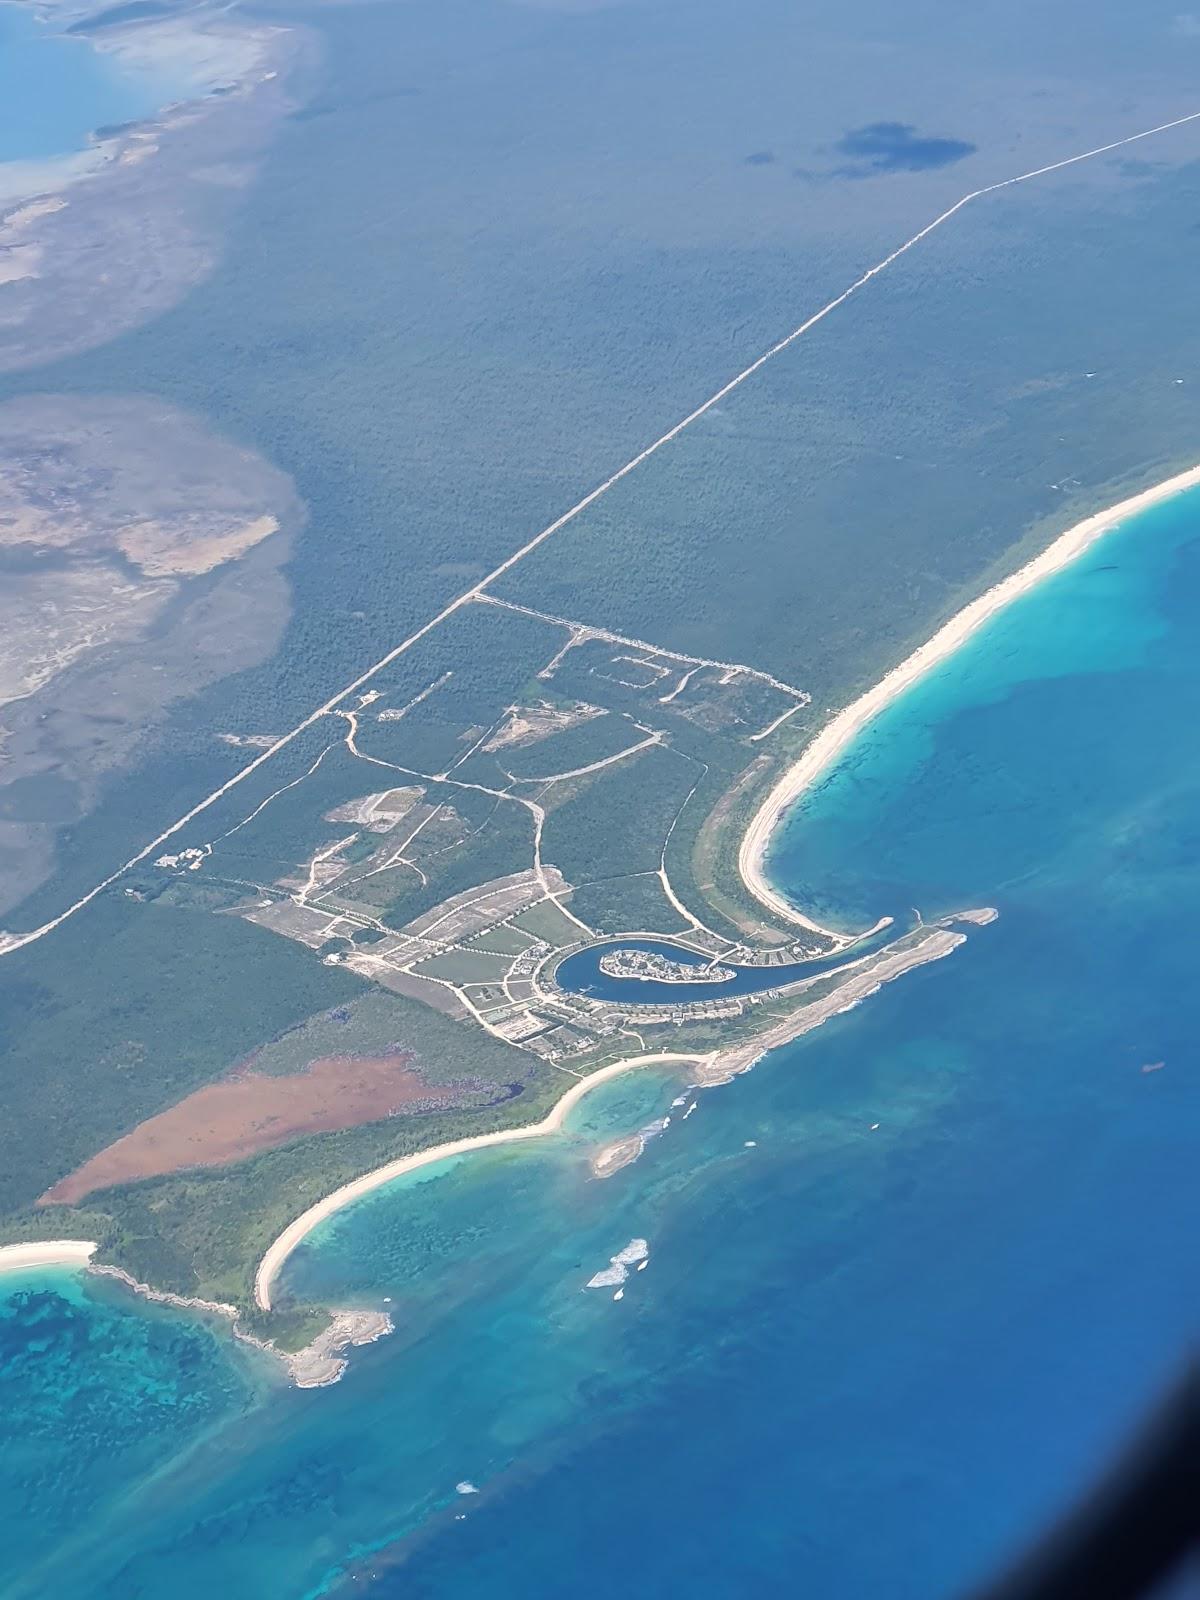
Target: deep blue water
581,974
56,89
910,1280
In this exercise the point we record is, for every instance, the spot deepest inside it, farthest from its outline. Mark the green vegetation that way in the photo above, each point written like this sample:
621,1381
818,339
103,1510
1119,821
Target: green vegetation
818,524
594,740
141,1006
203,1232
510,940
548,923
618,823
620,905
464,966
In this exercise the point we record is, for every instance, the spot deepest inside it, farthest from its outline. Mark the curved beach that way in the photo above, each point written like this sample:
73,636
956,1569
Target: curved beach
849,723
46,1253
277,1254
817,757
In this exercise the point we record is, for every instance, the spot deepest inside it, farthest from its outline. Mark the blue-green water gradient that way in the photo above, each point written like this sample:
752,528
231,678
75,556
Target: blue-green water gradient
55,89
910,1280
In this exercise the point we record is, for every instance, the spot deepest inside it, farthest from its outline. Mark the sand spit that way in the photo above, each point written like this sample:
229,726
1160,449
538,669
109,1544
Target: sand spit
937,943
845,727
46,1253
620,1153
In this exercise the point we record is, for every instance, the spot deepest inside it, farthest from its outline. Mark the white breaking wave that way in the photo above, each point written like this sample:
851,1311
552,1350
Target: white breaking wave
635,1254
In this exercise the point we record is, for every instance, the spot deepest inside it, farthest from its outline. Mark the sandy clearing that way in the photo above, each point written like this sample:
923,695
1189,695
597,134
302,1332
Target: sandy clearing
227,1121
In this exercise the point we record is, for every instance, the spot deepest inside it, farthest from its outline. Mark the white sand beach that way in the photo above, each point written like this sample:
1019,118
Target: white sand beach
46,1253
277,1254
862,978
846,726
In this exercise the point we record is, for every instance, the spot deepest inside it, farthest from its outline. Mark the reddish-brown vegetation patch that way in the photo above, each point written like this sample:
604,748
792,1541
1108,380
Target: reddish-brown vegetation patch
227,1121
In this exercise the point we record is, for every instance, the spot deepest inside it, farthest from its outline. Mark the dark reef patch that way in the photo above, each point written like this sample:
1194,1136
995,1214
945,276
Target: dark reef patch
896,147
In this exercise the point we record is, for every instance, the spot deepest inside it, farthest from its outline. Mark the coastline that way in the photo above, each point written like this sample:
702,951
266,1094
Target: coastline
321,1362
845,727
318,1364
281,1249
178,173
865,977
940,942
715,1066
46,1253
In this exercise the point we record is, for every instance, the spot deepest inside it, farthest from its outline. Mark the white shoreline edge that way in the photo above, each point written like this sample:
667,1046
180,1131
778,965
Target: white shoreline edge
866,976
291,1236
46,1253
321,1362
817,756
849,723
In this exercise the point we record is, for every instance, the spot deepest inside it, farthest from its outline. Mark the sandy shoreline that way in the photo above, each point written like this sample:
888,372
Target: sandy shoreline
845,727
320,1363
273,1260
323,1360
715,1065
46,1253
712,1067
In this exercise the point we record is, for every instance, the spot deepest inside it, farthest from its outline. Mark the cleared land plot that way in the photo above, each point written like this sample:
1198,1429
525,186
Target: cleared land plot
547,922
579,746
661,689
502,939
480,907
465,966
225,1122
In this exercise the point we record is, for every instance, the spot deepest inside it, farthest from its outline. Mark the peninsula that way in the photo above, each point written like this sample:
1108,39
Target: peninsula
486,958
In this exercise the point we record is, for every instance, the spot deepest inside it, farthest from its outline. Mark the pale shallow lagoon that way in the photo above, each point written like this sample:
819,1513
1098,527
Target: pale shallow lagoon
56,89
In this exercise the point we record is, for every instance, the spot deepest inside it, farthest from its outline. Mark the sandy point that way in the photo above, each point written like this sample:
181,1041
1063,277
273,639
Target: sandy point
46,1253
849,723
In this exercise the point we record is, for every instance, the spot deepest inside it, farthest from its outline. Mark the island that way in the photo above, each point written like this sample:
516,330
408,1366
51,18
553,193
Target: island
651,967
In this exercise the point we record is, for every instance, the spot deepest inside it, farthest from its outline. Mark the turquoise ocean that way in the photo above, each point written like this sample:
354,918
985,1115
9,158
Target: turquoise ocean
56,89
910,1281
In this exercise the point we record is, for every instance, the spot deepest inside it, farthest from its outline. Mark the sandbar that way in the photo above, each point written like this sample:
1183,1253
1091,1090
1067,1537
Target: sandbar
849,723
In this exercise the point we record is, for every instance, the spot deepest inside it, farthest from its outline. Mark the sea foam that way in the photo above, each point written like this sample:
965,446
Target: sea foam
635,1254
